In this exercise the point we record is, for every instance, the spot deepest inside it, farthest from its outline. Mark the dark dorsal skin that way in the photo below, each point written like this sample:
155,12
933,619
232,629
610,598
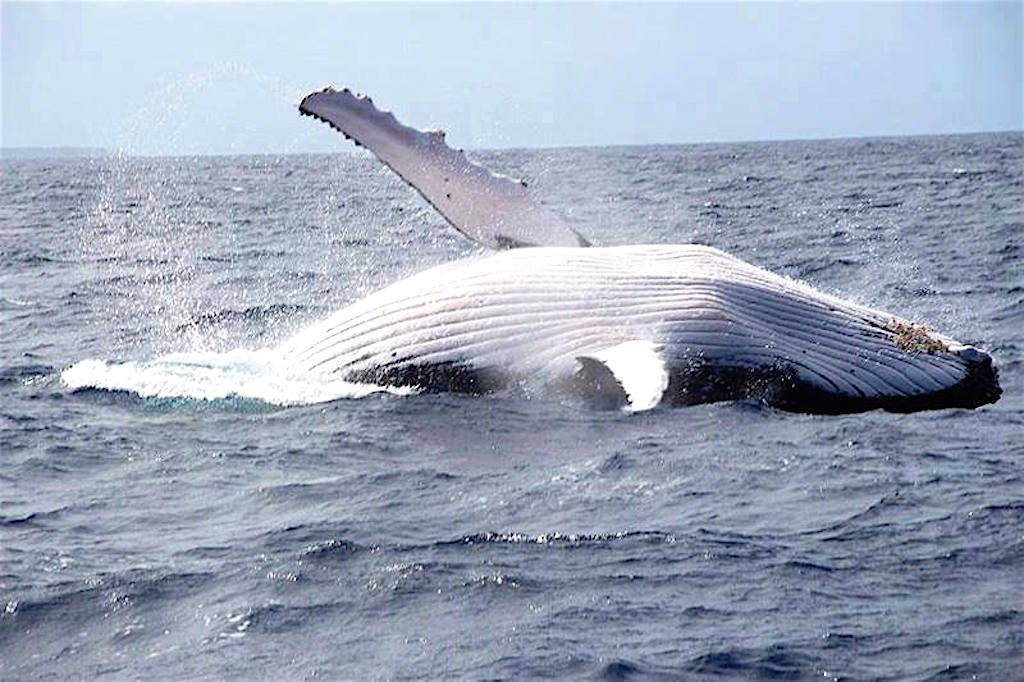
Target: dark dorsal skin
597,386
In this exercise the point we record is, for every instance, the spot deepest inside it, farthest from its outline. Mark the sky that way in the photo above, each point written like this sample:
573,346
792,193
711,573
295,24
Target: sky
153,78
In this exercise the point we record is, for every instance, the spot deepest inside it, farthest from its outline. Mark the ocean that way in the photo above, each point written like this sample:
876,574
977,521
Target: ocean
172,507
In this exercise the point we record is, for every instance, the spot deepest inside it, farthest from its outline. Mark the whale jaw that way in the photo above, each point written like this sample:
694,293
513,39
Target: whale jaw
980,386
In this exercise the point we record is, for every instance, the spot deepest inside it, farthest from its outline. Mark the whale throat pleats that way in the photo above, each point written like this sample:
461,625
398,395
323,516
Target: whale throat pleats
639,326
494,210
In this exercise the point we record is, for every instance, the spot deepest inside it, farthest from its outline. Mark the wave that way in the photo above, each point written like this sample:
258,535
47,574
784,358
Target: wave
210,376
774,661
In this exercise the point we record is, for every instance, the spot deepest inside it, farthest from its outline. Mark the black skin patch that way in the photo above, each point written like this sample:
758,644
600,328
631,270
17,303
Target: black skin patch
776,387
441,377
700,383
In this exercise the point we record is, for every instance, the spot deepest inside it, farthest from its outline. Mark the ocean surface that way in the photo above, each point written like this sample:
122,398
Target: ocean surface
173,505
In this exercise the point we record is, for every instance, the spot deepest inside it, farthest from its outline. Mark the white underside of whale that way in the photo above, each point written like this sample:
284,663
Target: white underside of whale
533,313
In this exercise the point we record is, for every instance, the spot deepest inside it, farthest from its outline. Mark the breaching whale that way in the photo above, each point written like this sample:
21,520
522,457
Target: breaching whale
633,326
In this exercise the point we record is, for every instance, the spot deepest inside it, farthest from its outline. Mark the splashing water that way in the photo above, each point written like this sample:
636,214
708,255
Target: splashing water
248,374
180,254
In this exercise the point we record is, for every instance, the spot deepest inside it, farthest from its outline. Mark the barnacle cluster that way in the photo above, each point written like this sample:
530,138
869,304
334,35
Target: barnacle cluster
915,337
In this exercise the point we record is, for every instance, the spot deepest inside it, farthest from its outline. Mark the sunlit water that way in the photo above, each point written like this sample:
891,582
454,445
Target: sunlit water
175,502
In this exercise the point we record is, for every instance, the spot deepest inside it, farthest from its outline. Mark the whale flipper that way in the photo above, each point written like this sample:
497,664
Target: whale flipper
631,374
491,209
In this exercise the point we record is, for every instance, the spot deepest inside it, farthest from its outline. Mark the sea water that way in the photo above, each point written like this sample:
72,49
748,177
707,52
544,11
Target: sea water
175,504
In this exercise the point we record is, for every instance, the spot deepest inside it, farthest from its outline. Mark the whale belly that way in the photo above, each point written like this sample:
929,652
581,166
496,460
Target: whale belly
724,329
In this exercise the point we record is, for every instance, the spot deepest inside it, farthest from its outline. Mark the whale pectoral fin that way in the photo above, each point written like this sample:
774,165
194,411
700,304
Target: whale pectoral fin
631,375
493,210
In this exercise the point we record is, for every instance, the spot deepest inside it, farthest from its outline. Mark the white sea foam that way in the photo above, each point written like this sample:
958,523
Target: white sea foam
251,374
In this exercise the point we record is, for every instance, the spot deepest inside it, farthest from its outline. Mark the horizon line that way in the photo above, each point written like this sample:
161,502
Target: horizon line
30,152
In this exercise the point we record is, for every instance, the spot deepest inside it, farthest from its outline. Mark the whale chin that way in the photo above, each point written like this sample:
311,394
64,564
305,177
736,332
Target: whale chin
979,387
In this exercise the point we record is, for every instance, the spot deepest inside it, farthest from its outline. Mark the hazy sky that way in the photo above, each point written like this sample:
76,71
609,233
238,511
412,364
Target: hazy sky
219,78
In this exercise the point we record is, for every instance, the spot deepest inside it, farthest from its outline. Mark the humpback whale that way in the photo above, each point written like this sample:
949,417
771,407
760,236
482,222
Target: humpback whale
632,326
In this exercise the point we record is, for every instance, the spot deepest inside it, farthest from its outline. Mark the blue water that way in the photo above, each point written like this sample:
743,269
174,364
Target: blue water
171,506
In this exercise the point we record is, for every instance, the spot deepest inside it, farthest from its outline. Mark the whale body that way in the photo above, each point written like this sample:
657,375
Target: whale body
632,326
